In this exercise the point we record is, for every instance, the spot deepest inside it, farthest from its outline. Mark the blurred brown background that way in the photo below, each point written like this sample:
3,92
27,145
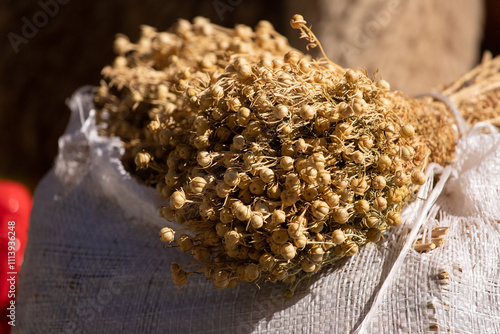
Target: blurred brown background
42,67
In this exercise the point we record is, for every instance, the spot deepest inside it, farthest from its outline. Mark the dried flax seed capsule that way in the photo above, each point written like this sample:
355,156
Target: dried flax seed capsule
221,228
320,209
177,199
307,112
349,248
362,206
418,178
373,235
286,163
185,243
274,191
252,272
142,160
266,175
316,253
393,218
295,230
338,236
308,266
232,238
371,221
231,178
407,131
204,158
300,242
197,185
380,203
278,216
200,253
242,212
257,186
279,236
167,235
287,251
257,220
340,215
378,182
280,111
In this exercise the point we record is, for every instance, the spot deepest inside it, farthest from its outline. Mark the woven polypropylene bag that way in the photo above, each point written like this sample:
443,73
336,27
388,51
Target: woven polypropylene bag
94,262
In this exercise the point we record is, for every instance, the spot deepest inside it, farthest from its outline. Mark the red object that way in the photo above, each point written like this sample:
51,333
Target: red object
15,208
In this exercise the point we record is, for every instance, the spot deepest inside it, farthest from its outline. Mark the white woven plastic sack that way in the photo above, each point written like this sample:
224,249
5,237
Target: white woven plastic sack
94,263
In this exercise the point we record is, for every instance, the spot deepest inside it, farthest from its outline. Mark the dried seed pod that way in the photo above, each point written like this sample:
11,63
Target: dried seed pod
407,131
393,218
362,206
273,191
278,216
232,238
407,153
221,228
308,266
320,209
395,196
280,111
288,251
300,242
185,243
349,247
295,230
289,197
257,220
371,221
197,185
380,203
338,236
266,175
222,189
257,186
286,163
331,198
316,253
307,112
358,157
418,178
178,199
179,277
359,186
378,182
200,253
340,215
267,261
279,236
231,178
242,212
373,234
204,158
309,175
142,160
167,234
384,162
365,143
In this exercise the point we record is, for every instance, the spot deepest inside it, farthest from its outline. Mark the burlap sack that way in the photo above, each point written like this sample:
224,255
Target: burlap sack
94,263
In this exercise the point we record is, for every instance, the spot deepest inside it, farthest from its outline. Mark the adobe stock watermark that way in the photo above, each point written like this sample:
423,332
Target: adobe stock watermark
363,36
223,6
30,27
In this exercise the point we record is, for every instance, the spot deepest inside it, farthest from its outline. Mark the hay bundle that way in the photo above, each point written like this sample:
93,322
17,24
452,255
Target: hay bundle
276,164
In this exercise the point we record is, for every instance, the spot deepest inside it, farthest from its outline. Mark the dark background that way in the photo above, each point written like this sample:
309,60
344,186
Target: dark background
76,43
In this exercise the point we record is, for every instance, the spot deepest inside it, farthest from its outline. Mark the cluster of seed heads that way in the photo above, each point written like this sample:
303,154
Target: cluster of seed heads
275,164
